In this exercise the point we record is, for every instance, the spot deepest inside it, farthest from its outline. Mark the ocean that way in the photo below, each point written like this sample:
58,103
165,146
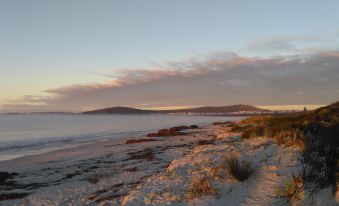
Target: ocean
27,134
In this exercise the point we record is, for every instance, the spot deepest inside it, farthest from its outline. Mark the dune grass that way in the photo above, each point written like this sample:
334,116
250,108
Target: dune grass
316,132
240,169
200,186
291,189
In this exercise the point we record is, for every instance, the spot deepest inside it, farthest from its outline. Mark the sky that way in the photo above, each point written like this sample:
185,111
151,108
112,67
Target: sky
76,55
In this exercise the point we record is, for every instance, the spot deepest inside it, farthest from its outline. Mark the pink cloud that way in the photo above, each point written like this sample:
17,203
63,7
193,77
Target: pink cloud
219,79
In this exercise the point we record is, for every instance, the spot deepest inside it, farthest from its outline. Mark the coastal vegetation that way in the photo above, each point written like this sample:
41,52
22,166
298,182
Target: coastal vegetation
291,189
316,132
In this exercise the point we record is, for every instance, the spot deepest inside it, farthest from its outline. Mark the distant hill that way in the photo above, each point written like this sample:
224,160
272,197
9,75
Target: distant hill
119,110
222,110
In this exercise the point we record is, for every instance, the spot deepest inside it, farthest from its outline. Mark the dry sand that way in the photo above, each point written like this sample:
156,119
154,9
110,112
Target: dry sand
157,173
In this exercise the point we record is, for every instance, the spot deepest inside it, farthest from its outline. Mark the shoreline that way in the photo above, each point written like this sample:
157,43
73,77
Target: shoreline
154,172
75,146
103,160
63,131
83,146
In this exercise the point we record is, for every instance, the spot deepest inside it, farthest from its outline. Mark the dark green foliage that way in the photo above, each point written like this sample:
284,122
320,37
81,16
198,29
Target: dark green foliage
321,154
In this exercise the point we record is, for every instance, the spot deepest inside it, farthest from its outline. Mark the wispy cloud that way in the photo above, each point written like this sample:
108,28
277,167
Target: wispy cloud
294,44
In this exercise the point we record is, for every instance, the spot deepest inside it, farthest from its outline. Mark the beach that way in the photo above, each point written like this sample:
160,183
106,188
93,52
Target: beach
89,168
153,171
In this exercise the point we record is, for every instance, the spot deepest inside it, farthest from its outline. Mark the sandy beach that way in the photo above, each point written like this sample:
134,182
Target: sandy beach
157,172
85,170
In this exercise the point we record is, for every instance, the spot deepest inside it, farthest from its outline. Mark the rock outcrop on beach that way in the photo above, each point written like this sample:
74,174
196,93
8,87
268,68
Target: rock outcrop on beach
223,123
4,176
174,131
135,141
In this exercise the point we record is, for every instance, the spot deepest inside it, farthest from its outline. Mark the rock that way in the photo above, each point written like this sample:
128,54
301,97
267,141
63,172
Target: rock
173,131
205,142
223,123
131,169
179,128
134,141
152,134
11,196
6,175
194,126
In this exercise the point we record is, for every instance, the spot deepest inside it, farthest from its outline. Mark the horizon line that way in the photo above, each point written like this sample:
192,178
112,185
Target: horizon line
162,108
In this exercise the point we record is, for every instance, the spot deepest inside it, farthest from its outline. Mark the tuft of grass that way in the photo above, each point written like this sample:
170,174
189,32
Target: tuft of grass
291,189
240,169
200,186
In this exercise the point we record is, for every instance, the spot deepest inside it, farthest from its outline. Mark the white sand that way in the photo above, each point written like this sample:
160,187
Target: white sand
273,164
157,173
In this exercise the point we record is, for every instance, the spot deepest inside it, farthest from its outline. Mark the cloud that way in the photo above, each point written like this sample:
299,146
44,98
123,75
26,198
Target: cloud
297,44
217,79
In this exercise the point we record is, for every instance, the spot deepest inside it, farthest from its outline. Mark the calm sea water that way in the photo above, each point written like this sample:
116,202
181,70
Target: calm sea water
22,135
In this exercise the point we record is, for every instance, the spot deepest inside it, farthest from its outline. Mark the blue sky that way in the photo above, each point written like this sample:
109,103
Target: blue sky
51,44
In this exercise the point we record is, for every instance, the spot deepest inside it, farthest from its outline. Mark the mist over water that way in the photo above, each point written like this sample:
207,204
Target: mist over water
27,134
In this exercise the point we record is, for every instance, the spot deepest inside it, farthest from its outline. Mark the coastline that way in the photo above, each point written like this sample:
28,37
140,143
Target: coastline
155,172
104,161
36,134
